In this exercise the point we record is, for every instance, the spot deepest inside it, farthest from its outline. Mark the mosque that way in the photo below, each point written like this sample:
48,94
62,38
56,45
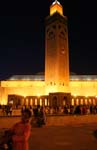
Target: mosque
56,87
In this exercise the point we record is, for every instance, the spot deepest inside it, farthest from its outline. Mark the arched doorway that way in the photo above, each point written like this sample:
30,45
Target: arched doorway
54,101
64,101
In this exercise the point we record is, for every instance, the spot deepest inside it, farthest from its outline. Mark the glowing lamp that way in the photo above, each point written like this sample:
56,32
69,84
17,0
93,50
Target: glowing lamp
56,7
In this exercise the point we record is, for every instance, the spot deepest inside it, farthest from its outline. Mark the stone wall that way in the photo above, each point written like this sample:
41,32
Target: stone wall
71,120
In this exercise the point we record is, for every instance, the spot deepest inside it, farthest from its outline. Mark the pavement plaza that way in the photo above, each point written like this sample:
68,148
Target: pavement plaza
78,137
66,137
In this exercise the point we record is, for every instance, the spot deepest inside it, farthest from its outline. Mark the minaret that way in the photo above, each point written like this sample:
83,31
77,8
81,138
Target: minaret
56,48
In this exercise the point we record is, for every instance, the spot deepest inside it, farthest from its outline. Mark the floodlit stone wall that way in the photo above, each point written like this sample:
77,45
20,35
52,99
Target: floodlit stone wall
38,88
84,88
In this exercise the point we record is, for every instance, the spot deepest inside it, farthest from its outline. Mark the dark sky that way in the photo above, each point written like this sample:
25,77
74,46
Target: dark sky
22,26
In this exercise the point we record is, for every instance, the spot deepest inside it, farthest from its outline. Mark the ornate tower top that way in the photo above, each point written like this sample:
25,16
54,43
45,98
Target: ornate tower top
56,7
56,2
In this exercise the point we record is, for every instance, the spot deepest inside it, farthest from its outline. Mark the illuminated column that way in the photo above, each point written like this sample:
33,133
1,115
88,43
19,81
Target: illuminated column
72,102
40,102
81,101
45,102
36,101
31,102
86,102
56,48
77,101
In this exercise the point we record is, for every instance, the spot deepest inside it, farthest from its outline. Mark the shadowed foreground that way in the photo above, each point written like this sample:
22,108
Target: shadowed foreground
76,133
78,137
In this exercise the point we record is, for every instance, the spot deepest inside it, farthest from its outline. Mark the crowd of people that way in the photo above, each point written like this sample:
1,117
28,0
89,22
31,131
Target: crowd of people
7,110
16,138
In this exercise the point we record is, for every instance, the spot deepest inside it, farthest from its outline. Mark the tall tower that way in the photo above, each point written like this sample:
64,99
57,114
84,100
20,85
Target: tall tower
56,48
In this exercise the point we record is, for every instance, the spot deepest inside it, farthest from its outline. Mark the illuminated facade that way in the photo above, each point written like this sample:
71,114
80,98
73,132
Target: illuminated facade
57,87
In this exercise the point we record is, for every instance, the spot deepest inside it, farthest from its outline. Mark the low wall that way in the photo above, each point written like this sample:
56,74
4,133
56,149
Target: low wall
71,120
6,122
15,112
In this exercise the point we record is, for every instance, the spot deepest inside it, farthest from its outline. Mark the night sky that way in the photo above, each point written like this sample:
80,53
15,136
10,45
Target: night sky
22,37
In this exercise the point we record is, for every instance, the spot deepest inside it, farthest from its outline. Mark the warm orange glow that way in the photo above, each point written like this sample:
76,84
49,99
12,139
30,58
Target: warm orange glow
45,102
31,101
85,88
38,95
56,76
81,102
86,101
40,102
72,102
24,95
35,101
77,101
3,102
56,8
32,88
